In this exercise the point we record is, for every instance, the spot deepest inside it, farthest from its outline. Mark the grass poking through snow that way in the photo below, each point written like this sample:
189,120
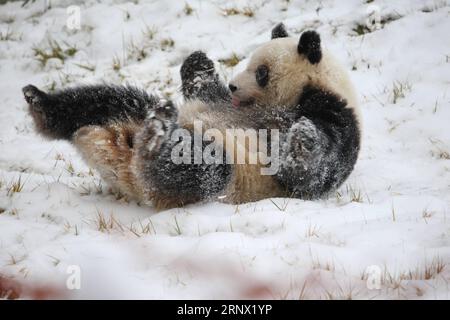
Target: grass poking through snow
399,90
233,11
232,61
15,186
54,50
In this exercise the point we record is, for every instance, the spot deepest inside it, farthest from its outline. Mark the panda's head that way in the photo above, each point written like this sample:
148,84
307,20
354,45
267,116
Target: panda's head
279,69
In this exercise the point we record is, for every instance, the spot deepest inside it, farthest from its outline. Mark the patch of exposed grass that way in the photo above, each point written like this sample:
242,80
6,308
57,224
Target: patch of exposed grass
15,186
424,271
177,226
13,260
107,224
327,265
68,228
440,150
367,27
429,270
361,29
167,44
233,11
341,293
86,66
9,35
399,90
148,228
69,168
433,6
96,189
354,194
232,61
142,229
116,64
55,261
136,52
188,10
442,154
54,50
283,206
150,32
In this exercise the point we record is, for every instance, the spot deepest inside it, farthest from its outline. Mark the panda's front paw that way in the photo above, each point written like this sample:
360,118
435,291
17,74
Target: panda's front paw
197,65
158,126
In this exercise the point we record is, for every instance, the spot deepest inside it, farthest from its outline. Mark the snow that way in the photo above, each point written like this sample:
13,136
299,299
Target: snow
392,213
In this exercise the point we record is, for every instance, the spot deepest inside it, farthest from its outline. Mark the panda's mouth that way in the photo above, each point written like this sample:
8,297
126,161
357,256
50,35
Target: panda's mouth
237,102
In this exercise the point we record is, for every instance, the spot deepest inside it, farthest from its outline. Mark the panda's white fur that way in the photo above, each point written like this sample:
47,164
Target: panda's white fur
289,73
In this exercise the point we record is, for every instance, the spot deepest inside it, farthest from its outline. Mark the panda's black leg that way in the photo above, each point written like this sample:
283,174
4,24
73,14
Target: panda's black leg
60,114
302,152
321,147
166,180
201,81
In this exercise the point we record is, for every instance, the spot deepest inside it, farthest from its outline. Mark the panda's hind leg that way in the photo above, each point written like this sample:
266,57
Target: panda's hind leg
59,114
201,81
109,149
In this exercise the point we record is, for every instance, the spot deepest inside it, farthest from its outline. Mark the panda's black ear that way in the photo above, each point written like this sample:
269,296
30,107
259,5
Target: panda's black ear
279,31
309,45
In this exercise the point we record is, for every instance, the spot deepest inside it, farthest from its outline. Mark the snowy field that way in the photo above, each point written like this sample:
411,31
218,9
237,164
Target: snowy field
390,220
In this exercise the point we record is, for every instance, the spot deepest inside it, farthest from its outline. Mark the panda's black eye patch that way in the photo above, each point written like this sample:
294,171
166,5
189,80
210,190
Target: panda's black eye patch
262,75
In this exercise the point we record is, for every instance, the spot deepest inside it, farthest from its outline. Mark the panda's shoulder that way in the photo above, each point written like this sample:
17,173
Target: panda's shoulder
326,107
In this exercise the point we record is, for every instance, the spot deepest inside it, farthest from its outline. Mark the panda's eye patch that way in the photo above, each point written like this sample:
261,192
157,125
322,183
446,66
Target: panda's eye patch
262,75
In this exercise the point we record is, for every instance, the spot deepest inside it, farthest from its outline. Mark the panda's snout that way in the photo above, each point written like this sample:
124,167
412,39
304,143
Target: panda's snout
232,87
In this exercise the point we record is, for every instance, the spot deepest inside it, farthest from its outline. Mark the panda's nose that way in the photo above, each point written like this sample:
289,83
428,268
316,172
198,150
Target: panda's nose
232,87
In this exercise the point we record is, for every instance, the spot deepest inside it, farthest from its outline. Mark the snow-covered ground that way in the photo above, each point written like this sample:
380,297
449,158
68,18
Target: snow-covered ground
390,221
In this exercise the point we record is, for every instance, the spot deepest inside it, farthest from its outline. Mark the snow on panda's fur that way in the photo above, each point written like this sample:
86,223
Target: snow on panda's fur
290,85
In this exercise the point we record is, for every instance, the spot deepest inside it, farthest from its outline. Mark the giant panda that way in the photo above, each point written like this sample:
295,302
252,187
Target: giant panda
292,85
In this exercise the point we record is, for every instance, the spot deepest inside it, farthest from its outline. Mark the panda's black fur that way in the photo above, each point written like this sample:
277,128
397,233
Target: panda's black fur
181,183
328,137
200,80
60,114
319,144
